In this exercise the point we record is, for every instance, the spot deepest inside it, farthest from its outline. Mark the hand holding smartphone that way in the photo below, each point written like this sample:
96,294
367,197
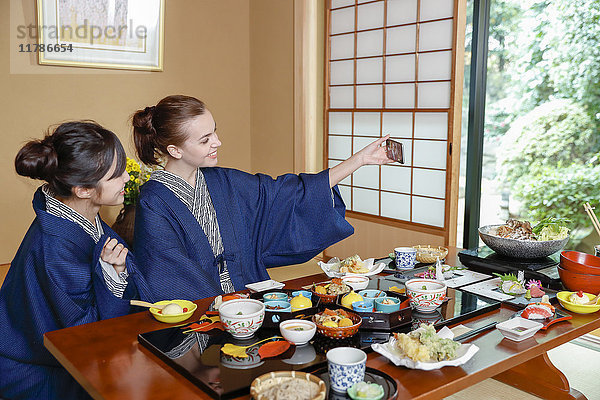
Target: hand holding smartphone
394,150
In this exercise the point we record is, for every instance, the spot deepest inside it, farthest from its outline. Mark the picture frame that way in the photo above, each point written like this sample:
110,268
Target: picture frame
115,34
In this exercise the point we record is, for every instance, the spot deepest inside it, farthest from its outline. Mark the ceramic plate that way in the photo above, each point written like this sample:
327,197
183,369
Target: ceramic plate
369,264
463,354
390,389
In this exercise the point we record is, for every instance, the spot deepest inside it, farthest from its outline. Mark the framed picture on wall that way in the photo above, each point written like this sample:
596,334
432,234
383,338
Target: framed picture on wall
120,34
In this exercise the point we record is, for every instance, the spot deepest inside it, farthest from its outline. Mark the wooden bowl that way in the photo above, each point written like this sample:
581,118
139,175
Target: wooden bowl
575,281
268,380
579,262
340,332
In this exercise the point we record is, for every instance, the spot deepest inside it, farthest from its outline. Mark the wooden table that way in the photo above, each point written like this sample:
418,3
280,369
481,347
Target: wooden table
107,360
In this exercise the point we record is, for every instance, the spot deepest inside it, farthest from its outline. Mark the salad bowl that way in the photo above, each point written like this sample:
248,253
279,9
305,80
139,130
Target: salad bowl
516,248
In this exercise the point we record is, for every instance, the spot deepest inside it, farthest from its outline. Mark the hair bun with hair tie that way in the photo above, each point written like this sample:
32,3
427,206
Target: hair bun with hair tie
149,109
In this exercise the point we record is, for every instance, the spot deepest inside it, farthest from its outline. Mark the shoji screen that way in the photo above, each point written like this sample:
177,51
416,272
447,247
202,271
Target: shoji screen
390,70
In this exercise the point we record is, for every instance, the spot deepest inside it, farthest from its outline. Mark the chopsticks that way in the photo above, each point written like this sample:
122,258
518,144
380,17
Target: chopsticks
589,209
475,331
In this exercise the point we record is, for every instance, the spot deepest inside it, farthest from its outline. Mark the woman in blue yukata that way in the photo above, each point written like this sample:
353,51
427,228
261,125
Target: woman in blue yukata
71,268
201,230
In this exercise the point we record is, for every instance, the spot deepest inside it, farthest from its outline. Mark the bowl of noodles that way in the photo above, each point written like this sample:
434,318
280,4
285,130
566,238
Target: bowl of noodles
517,239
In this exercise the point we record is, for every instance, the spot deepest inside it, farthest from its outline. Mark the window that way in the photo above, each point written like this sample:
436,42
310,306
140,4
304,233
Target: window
391,69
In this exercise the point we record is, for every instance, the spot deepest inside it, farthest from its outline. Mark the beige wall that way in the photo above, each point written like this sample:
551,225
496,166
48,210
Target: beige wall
272,86
206,55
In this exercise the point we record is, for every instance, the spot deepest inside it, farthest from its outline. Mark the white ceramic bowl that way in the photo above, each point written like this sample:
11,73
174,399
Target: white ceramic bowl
519,328
356,282
425,295
298,337
242,317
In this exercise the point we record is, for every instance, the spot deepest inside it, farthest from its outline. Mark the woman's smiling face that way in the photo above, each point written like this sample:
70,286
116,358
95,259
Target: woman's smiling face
111,191
200,147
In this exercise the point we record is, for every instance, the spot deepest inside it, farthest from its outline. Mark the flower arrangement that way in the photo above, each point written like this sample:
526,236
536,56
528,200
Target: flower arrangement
137,177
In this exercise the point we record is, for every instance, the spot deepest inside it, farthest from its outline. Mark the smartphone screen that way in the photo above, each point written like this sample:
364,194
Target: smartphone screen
395,150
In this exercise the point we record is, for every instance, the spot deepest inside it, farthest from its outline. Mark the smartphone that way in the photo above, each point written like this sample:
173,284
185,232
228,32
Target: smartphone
394,150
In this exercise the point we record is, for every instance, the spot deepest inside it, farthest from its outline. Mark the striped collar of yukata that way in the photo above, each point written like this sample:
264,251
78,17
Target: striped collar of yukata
59,209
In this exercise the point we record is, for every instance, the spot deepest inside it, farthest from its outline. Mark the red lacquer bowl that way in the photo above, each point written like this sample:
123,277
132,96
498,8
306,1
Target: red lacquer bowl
575,281
579,262
340,332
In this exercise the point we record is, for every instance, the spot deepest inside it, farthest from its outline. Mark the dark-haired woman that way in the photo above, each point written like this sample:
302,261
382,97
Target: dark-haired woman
71,268
202,230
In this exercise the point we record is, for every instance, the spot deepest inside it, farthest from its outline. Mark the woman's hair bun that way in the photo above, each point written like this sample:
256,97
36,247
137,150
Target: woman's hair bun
37,159
142,121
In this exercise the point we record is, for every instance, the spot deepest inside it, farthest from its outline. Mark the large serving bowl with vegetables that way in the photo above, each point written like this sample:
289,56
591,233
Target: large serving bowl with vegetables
518,239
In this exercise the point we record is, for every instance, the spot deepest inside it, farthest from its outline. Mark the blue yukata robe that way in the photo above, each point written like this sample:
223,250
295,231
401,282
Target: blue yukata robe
264,222
55,281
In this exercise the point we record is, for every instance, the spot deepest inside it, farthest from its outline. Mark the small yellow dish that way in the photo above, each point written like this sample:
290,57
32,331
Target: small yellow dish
563,299
171,319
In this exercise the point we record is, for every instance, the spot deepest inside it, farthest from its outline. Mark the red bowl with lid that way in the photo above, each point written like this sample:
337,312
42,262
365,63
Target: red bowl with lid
579,262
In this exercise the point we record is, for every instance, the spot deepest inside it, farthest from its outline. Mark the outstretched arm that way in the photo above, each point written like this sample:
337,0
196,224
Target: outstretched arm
373,154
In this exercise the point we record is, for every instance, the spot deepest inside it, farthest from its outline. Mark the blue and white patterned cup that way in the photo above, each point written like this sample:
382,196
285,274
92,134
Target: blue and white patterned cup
346,367
406,257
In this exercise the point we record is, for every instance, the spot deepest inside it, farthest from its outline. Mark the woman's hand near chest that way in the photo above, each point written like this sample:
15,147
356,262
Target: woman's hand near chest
114,253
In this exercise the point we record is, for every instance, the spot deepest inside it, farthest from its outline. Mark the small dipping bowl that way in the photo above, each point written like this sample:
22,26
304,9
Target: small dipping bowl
275,296
387,308
297,331
304,293
356,282
372,294
363,306
285,306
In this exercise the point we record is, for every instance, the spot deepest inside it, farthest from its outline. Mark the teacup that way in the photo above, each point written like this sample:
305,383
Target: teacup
406,257
346,367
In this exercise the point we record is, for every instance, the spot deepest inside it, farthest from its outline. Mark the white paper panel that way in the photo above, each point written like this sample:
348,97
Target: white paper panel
427,182
341,97
370,16
434,9
395,206
369,43
367,124
342,20
341,3
435,35
400,95
428,211
366,201
402,39
342,46
367,176
369,96
360,143
340,147
430,154
407,150
341,72
400,68
340,123
333,163
394,178
434,95
431,125
369,70
346,193
397,124
434,66
401,12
